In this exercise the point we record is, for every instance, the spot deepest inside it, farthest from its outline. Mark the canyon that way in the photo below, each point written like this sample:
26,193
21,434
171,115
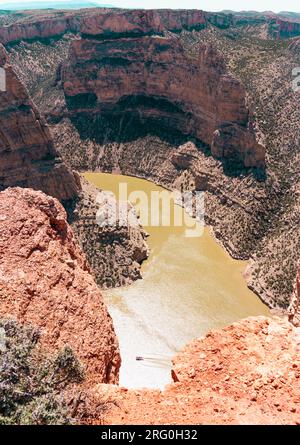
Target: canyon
253,211
192,101
184,292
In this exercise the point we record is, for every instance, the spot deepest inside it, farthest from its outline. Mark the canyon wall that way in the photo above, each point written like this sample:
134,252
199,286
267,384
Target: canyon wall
46,24
27,155
43,25
155,79
294,46
250,211
45,281
28,158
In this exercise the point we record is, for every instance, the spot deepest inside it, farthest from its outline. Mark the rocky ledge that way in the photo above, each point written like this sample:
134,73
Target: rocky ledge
45,281
154,79
246,373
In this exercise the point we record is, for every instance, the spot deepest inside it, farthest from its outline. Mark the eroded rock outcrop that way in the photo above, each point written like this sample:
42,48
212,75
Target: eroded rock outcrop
110,235
28,158
27,155
155,79
133,23
246,373
107,22
45,281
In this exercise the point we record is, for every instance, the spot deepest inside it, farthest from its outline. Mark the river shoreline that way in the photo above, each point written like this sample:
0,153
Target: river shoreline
188,287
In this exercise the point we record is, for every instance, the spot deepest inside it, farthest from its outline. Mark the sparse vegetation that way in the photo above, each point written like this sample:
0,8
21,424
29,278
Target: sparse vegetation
32,383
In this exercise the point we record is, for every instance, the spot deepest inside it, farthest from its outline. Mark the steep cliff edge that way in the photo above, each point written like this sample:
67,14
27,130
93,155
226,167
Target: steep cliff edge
246,373
147,77
45,281
27,155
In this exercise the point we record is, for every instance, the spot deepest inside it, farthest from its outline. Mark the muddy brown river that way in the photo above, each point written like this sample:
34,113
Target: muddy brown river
190,285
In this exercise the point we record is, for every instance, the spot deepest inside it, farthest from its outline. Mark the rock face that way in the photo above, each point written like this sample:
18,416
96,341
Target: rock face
155,79
45,281
28,159
30,25
246,373
134,23
115,252
38,25
27,155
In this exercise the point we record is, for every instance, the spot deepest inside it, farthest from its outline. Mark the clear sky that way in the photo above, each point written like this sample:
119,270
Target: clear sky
208,5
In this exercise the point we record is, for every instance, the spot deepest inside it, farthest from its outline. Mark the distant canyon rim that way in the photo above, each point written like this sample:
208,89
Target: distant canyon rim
190,100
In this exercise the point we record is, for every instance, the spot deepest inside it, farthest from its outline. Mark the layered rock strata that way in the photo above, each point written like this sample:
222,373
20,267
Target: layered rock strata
155,79
27,155
30,25
45,281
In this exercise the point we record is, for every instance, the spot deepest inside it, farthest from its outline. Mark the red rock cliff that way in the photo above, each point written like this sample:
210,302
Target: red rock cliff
45,281
108,22
105,22
27,155
154,77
